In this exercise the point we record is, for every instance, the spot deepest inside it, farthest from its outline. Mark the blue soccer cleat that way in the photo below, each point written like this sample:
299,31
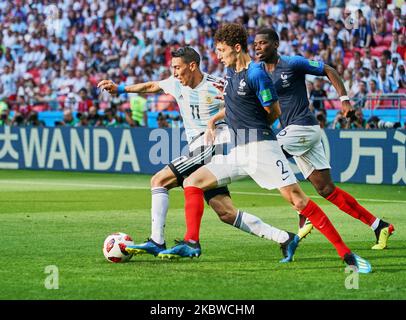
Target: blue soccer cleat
361,265
289,247
182,249
150,247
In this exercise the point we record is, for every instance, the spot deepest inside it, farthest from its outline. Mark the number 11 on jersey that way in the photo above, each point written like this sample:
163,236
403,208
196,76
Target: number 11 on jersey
195,111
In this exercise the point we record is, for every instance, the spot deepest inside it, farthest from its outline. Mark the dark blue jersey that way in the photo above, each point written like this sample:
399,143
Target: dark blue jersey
246,93
289,80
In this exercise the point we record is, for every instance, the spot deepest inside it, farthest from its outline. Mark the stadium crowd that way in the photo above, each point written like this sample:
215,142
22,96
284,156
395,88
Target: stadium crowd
53,53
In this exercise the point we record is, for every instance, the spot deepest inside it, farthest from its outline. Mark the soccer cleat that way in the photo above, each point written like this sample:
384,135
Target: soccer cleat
150,247
289,247
361,265
382,233
182,249
305,227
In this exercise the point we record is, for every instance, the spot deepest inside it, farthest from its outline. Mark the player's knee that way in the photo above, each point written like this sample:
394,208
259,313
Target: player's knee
325,190
193,181
156,181
160,180
299,203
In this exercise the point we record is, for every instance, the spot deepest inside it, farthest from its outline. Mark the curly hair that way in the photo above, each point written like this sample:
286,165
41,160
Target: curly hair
232,34
270,33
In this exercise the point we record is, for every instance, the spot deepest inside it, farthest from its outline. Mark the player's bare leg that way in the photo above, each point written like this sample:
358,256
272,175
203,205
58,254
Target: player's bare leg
161,182
322,182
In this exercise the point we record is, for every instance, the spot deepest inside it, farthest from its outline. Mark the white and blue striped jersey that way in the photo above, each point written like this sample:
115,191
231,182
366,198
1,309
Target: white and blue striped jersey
196,105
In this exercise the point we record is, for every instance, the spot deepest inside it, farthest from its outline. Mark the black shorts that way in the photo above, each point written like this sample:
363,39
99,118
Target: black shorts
184,166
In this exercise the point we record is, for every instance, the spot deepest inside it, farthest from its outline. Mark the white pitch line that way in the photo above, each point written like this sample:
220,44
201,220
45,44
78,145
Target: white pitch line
96,186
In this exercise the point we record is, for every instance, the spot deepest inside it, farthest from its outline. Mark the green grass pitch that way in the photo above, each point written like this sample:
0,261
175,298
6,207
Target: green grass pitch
62,219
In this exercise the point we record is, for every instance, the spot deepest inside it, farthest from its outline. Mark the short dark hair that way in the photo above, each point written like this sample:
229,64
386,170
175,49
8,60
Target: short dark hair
232,34
271,34
188,55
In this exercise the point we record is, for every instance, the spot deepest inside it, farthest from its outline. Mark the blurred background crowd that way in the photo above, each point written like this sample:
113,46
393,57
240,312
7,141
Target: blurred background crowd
53,54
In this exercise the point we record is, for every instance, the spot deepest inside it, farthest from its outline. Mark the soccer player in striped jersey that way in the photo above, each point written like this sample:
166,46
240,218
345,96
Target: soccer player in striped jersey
301,134
251,105
195,93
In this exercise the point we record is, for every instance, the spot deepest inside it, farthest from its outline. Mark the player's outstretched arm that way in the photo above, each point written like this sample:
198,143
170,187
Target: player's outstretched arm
338,84
113,88
274,112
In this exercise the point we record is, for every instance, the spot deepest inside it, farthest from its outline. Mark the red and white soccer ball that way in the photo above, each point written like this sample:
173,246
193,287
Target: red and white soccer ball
114,247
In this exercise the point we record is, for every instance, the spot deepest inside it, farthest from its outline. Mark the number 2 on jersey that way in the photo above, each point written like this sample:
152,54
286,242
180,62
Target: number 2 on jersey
279,163
195,111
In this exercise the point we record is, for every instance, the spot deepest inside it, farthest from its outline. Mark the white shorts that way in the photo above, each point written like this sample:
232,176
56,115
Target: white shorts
304,144
263,161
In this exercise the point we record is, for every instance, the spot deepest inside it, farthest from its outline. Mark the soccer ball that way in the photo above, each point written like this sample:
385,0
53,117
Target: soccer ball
114,247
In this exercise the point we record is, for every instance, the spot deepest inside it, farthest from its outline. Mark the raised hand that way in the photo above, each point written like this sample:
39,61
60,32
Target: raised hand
108,85
348,110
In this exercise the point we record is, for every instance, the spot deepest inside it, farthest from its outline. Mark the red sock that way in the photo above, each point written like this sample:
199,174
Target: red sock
194,207
319,219
349,205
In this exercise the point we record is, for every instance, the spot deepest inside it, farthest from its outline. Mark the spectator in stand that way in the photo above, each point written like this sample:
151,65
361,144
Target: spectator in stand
395,42
374,68
93,116
138,108
110,119
162,122
374,95
362,36
400,76
367,59
18,119
321,10
383,63
5,118
347,77
316,95
340,122
360,97
33,121
129,121
386,83
83,120
358,121
401,47
320,35
68,119
343,35
310,45
356,84
372,123
367,76
397,20
85,102
354,59
8,80
393,67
